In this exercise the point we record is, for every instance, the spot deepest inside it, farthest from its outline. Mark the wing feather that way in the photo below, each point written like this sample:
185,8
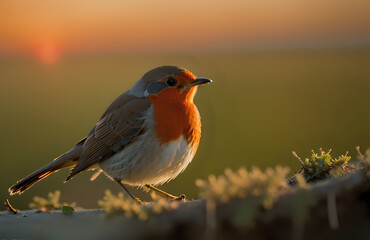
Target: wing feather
119,125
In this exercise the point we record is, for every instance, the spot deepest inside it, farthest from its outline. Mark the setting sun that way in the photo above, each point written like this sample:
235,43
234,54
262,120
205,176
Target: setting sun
48,53
128,26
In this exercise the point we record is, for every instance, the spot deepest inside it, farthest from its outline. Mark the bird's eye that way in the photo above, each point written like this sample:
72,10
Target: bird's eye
171,81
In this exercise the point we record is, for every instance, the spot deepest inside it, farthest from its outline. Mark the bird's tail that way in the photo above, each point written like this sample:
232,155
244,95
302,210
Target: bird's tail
69,159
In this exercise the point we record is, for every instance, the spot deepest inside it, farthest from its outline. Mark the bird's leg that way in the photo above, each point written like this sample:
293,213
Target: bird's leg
163,193
118,181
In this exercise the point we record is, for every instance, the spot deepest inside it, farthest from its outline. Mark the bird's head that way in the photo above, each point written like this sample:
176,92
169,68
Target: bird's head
168,83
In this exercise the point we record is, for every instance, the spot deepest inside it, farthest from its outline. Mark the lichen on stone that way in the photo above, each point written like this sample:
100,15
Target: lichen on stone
243,183
322,165
119,204
52,202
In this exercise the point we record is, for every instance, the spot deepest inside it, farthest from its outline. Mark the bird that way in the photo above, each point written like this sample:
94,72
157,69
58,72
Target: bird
145,138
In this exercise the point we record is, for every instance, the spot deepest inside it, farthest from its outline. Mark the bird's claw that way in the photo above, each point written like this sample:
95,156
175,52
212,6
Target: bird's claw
182,197
138,201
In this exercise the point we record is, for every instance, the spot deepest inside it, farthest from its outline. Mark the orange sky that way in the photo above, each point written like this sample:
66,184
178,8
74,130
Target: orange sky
47,27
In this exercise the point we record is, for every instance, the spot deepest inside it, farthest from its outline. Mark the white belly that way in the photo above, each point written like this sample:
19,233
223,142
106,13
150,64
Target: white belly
147,161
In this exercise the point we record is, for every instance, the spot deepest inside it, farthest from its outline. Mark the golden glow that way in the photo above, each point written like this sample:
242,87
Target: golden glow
95,26
48,53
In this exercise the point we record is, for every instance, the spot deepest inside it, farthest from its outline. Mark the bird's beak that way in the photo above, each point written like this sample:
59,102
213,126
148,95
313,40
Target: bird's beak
199,81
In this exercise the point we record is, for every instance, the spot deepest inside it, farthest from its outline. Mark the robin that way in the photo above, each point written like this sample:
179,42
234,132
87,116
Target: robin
146,137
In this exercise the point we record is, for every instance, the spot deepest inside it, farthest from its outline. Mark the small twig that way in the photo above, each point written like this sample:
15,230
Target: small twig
10,207
359,152
295,155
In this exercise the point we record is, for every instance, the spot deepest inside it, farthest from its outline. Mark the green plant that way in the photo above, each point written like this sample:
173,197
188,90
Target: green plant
118,204
49,203
242,184
322,165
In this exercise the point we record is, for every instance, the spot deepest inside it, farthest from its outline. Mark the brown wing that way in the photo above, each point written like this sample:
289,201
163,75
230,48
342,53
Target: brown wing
119,125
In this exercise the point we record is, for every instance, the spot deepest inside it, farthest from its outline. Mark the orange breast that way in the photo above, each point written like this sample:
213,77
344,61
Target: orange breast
176,115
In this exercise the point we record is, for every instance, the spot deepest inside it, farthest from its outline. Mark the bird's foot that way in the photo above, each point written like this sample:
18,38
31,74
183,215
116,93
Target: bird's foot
182,197
167,195
138,201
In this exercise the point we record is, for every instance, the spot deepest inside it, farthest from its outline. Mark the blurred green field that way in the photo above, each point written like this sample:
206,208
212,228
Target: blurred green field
261,106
